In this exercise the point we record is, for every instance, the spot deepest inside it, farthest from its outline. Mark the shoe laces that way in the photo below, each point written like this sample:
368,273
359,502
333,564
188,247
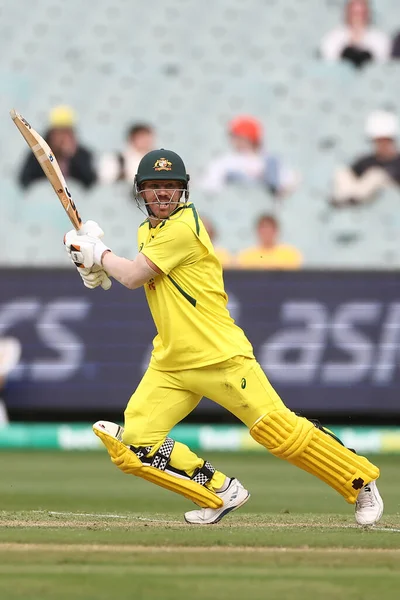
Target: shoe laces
365,498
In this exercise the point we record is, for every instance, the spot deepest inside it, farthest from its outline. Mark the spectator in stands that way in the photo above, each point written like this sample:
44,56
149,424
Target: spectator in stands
122,166
248,162
223,255
396,47
269,253
76,161
357,40
10,352
371,173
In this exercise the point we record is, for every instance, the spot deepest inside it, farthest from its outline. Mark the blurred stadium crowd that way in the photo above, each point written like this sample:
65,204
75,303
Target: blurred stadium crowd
284,111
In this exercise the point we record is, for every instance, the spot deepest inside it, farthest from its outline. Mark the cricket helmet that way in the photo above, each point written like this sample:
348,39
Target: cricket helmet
160,165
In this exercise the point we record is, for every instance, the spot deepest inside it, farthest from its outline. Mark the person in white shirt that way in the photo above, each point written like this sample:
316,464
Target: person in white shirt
122,166
248,163
357,40
362,181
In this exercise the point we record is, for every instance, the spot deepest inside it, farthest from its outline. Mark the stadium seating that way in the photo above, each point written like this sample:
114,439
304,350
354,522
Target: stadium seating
188,67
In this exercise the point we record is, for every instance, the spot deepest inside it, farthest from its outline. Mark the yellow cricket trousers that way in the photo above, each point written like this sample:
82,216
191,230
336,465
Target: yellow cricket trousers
163,399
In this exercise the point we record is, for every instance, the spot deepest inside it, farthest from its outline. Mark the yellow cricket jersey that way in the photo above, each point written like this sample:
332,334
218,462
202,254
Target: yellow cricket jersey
188,302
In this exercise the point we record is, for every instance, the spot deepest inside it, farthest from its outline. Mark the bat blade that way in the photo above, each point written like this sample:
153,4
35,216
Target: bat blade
51,169
45,157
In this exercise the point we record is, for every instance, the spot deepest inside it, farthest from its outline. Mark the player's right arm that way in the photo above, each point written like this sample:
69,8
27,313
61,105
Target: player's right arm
94,259
174,244
131,273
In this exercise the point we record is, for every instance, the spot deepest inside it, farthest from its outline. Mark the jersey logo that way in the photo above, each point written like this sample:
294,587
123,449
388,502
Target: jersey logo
162,164
151,284
141,246
243,383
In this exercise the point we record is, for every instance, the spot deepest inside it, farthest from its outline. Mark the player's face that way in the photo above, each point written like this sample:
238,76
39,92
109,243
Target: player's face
162,197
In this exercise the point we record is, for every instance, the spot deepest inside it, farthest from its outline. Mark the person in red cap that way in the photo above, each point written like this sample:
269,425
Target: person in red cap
248,163
246,129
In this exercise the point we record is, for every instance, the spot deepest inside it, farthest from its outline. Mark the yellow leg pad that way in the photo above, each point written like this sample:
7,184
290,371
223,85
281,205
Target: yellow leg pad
128,462
299,442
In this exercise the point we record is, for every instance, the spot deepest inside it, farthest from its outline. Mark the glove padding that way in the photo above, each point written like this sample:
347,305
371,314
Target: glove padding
85,250
94,277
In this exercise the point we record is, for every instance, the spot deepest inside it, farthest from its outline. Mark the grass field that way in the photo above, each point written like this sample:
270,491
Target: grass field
73,527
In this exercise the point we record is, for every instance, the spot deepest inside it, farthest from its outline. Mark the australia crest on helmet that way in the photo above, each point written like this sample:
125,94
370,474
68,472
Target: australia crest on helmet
162,164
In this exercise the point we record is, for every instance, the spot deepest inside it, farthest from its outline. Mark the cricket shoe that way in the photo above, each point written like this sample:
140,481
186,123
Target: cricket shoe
112,429
233,497
369,505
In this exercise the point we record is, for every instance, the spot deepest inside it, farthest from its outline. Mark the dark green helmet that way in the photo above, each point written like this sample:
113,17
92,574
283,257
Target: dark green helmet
161,164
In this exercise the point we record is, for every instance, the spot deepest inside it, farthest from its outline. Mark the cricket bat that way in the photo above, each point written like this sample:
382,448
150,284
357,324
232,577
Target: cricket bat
45,157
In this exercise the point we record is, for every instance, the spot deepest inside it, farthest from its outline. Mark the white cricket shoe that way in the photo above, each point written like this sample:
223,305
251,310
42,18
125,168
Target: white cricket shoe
111,428
233,497
369,505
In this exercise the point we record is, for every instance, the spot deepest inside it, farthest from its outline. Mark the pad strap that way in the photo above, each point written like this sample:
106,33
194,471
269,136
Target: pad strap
204,474
161,457
141,451
163,454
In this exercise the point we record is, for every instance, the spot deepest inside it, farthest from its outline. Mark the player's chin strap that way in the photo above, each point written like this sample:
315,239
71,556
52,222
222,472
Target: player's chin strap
146,210
155,467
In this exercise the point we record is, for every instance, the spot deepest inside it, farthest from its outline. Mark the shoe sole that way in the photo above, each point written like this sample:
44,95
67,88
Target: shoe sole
223,514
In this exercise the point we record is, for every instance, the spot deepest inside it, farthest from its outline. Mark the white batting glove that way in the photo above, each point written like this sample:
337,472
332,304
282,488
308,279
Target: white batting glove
94,277
84,250
91,228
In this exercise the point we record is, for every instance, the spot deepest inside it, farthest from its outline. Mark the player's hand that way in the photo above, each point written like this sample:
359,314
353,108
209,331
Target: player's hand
94,277
91,228
86,252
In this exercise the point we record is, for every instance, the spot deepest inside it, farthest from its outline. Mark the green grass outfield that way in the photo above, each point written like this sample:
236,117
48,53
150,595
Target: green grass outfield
73,527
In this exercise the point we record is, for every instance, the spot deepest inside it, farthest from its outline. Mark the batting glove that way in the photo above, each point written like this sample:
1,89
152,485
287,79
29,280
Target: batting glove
85,250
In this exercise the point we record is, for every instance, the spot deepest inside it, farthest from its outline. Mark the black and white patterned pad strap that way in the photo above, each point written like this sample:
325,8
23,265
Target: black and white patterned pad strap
161,458
141,451
204,474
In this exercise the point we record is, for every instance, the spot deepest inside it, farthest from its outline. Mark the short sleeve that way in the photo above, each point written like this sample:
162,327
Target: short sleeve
174,245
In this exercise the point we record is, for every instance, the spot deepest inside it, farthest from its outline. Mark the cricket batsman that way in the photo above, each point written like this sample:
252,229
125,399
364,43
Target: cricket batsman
200,351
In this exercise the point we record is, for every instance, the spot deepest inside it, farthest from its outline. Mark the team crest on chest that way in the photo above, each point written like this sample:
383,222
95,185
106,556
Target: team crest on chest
162,164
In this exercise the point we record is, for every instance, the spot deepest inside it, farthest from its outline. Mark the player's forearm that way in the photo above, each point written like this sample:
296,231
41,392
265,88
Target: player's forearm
131,273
